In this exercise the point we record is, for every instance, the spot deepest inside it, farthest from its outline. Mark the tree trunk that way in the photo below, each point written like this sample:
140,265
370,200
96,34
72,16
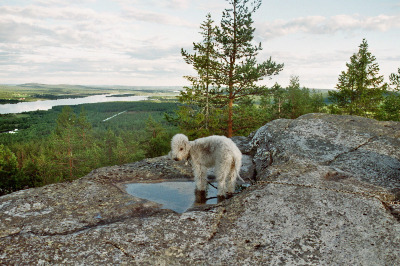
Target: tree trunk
70,159
232,62
279,108
230,119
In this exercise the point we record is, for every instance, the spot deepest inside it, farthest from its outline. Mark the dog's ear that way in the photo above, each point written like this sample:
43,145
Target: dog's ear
187,145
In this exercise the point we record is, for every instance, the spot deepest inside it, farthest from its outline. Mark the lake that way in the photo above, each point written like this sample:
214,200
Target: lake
48,104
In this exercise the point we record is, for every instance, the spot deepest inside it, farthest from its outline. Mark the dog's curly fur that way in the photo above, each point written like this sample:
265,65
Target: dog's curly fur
219,152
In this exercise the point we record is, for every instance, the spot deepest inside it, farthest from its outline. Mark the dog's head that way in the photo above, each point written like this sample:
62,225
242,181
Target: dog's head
180,147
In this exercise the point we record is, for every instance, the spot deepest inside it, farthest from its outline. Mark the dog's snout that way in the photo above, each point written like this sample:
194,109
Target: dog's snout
176,159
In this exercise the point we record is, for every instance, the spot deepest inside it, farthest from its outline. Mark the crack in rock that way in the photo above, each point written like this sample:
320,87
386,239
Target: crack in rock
350,151
115,245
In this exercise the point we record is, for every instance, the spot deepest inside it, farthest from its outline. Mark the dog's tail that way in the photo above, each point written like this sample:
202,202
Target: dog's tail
241,179
237,163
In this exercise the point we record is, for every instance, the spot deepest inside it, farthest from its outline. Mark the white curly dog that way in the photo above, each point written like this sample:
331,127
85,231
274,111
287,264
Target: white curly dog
219,152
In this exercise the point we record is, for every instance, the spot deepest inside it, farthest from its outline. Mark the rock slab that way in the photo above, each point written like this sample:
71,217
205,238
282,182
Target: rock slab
327,193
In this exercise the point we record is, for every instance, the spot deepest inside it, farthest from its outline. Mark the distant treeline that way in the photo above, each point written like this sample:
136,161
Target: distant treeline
122,95
5,101
58,97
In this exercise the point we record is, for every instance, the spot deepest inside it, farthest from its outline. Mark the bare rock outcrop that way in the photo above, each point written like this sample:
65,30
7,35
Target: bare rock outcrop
326,193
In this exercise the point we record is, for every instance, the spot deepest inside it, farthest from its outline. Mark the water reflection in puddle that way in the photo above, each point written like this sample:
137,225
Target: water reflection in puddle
177,196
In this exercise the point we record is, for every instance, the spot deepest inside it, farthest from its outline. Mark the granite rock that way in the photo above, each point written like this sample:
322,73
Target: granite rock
327,193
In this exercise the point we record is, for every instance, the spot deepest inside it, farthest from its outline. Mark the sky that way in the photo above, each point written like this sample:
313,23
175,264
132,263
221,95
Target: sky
138,42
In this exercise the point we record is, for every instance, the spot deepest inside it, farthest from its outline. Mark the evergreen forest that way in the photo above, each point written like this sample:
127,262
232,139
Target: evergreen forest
67,142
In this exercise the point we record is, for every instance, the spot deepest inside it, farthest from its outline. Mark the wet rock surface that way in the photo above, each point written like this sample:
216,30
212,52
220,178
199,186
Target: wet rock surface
326,194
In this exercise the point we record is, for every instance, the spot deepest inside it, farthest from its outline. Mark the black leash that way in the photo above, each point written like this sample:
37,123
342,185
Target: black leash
212,185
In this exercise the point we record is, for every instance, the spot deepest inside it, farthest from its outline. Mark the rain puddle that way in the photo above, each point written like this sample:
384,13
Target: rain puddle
178,196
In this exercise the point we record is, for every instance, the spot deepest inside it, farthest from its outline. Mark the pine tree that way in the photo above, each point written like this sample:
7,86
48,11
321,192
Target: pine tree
360,89
391,105
157,140
71,144
202,62
8,170
66,142
110,144
300,100
84,127
200,109
395,80
272,103
239,70
231,66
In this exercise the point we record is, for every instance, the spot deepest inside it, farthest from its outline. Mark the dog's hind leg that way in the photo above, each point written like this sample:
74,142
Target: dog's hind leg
200,177
231,181
222,172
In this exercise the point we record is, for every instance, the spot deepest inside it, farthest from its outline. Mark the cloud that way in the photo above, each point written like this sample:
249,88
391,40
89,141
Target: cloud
33,23
181,4
171,4
45,12
53,41
155,17
61,2
64,26
324,25
137,41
